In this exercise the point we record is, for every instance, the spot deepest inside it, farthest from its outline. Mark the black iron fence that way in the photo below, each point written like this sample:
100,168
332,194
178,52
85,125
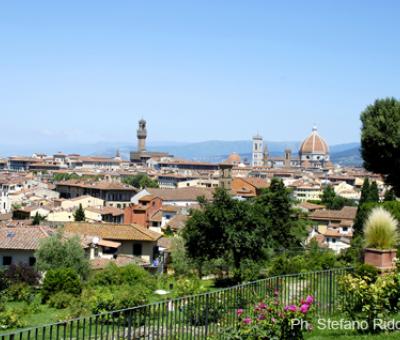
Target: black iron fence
192,317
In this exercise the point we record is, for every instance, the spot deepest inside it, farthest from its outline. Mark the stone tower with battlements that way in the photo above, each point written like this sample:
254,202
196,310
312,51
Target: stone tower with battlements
141,136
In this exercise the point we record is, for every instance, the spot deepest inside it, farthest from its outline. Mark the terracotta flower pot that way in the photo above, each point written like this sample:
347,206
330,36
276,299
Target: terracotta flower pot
381,258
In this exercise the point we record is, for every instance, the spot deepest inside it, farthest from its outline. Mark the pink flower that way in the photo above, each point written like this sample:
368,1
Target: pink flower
239,312
304,308
262,305
291,308
309,300
261,317
247,320
273,320
276,292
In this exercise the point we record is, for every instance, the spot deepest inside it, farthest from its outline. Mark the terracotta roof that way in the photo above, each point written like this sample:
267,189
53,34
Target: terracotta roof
348,213
101,185
164,242
310,206
314,144
147,198
178,222
5,217
157,217
256,182
182,194
109,244
170,208
127,232
24,238
106,210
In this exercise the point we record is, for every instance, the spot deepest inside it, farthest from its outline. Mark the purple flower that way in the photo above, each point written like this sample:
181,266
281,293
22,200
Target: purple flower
309,300
239,312
304,308
261,317
247,320
291,308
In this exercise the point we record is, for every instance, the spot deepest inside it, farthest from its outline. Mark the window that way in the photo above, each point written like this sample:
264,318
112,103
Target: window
32,261
109,250
7,260
344,229
137,249
156,252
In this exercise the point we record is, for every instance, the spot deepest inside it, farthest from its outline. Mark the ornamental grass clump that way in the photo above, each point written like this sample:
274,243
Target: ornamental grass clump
380,230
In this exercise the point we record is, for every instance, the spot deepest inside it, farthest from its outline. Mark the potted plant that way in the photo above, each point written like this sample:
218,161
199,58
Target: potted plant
380,235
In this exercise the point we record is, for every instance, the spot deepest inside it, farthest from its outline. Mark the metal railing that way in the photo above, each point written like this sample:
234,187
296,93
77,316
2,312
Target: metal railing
192,317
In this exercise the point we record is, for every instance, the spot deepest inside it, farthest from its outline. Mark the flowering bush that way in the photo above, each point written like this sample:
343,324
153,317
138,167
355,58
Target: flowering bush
272,320
363,300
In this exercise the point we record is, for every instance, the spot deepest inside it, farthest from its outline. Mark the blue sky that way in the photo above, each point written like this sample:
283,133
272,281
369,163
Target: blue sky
86,71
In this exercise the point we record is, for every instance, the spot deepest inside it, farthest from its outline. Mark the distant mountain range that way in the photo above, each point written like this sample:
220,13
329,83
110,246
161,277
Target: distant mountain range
210,151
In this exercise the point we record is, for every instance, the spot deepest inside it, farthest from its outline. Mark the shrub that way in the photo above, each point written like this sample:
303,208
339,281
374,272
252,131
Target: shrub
61,280
59,251
380,229
109,298
61,300
189,286
364,300
201,312
130,274
22,273
10,318
4,283
366,272
20,292
271,320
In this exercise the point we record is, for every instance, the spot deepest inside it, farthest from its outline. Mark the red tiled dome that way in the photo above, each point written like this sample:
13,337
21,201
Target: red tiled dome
314,144
233,158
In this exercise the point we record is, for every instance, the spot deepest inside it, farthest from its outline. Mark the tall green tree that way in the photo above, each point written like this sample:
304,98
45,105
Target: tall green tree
369,194
380,140
37,219
389,195
373,192
276,206
226,229
79,215
328,196
333,201
59,251
364,192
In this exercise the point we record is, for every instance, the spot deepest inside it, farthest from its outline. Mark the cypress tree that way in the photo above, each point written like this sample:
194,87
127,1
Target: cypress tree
373,195
389,195
79,214
364,192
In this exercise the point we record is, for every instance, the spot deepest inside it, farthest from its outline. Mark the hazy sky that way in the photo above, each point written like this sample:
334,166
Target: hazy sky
86,71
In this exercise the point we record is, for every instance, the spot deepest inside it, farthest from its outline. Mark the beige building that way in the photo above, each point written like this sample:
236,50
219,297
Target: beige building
85,200
118,240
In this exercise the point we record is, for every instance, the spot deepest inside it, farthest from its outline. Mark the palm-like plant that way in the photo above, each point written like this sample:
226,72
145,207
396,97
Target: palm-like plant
380,229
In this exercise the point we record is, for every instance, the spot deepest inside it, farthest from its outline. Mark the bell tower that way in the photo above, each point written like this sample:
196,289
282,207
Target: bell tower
141,136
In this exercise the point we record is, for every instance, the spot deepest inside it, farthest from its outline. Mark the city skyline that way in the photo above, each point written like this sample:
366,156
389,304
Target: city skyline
80,73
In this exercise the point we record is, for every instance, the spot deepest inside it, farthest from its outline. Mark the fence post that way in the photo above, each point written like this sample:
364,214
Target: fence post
330,291
130,324
207,306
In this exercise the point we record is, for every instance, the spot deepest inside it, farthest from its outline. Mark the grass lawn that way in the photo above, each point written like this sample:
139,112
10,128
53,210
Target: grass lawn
44,315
